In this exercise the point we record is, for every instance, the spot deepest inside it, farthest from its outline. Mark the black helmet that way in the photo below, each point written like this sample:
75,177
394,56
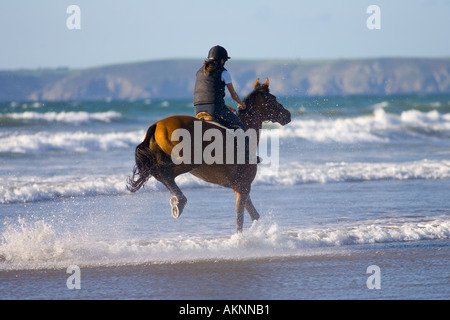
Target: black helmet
217,53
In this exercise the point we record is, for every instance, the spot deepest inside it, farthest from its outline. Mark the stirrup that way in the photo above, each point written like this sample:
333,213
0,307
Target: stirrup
204,116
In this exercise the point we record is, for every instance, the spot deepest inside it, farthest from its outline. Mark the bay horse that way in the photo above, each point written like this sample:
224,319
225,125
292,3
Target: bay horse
154,156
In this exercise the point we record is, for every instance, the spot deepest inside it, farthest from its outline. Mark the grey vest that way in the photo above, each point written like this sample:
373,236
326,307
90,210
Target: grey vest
209,88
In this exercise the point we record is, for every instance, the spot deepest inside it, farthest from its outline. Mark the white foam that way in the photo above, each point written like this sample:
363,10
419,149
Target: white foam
338,130
34,188
66,117
79,141
380,127
30,189
381,105
296,173
29,245
429,120
377,231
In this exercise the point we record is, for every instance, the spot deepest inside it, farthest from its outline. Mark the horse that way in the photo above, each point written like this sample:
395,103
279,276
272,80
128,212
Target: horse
155,155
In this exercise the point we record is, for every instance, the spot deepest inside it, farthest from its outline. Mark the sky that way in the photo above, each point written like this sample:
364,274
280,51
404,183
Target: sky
34,34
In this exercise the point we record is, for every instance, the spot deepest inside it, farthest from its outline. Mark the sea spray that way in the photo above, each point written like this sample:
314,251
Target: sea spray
27,243
31,245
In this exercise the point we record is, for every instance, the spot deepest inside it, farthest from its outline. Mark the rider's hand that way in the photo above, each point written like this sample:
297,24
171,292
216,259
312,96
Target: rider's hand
240,106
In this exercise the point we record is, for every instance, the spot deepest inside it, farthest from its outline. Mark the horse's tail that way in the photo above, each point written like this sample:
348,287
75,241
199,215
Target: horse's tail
145,160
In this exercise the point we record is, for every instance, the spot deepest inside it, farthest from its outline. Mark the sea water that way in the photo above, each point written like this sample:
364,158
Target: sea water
362,181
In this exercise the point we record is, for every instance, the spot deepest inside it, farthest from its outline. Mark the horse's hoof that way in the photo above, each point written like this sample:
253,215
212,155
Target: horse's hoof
174,203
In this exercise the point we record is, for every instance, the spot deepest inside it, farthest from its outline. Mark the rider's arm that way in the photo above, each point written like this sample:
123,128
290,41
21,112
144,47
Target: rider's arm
235,96
226,77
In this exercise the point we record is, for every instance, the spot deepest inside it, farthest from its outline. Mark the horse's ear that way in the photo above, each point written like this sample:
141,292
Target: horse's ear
267,82
256,83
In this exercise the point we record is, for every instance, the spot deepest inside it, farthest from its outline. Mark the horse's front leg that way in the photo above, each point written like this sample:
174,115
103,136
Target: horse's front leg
241,200
251,209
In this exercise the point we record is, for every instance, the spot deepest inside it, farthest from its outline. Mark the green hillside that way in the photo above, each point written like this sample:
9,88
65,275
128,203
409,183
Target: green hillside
175,79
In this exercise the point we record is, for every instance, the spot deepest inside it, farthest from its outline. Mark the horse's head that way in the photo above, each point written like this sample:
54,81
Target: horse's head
263,106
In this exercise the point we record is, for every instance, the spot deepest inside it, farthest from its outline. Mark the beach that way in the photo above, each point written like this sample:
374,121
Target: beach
357,209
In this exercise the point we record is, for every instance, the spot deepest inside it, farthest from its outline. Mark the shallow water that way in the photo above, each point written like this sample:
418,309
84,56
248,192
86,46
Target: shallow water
362,181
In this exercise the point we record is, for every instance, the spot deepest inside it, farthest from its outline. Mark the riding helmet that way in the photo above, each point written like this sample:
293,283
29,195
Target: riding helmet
217,53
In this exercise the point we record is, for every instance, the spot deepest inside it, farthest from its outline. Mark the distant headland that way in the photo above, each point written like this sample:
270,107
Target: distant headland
174,79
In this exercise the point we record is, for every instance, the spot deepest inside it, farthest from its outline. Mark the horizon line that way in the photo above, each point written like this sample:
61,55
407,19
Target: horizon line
67,68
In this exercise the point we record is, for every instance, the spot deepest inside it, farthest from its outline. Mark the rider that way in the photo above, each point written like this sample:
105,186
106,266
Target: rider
209,91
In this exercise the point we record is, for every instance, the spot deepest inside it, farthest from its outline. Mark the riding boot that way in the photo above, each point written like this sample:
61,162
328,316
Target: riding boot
247,153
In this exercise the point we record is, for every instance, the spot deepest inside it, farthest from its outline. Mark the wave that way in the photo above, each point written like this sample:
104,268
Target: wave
379,127
72,117
380,105
296,173
31,245
34,188
377,231
80,141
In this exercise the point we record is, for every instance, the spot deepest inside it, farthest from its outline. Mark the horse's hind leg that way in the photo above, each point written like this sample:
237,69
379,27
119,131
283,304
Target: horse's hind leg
251,209
243,201
178,200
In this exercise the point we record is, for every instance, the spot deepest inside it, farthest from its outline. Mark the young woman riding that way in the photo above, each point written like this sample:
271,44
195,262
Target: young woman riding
209,91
